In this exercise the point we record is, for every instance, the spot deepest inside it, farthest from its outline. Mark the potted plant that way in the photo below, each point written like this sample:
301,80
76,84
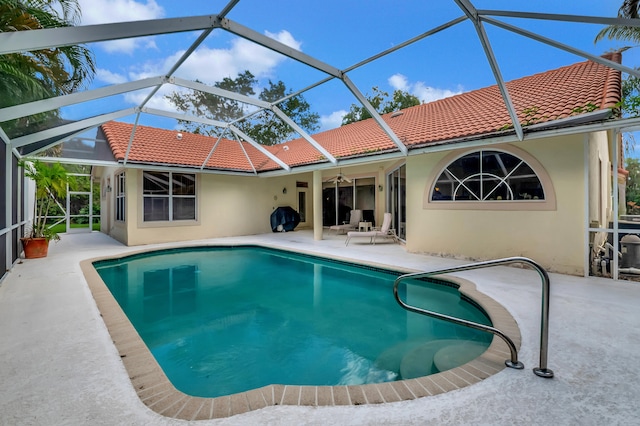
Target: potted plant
51,181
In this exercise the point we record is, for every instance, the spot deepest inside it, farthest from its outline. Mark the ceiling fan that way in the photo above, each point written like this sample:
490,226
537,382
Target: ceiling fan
339,178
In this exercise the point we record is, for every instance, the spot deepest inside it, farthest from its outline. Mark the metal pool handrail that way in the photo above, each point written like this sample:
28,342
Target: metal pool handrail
542,370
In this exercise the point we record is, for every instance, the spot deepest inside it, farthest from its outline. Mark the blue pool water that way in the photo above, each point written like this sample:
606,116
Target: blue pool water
227,320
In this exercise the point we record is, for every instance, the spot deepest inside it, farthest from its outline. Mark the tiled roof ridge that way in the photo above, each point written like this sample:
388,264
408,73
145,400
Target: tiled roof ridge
612,91
107,129
157,129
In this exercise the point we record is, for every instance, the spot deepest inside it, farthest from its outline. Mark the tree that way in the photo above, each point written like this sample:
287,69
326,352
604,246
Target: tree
630,9
203,104
264,127
269,129
633,185
380,101
630,104
51,183
41,74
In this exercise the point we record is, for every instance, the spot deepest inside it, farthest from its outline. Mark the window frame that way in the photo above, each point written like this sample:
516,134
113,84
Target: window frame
120,197
169,198
548,203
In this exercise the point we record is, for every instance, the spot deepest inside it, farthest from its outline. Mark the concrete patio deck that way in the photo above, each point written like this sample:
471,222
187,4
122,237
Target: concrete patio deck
59,365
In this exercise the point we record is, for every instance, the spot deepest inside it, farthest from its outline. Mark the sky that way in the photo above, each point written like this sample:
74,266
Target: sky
341,34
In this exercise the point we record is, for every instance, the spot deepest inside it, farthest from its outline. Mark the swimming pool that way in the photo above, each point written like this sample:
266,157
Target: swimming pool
369,358
226,320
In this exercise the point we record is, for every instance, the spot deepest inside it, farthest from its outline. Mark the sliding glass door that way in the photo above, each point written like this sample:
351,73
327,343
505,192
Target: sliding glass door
397,199
339,198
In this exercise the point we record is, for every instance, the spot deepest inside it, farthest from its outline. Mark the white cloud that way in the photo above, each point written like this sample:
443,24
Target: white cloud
158,101
332,120
211,65
110,77
421,90
286,38
108,11
430,94
205,64
399,82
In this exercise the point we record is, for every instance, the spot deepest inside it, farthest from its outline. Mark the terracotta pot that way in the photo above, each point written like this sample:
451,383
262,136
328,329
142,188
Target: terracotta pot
35,247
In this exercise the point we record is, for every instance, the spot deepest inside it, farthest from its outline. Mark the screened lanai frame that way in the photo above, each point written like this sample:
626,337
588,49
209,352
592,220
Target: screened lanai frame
41,39
22,41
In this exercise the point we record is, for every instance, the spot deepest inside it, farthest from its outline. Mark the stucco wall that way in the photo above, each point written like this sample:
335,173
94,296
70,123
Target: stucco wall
554,238
226,206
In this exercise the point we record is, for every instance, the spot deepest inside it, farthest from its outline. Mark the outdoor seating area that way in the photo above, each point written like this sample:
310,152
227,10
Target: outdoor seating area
385,231
355,217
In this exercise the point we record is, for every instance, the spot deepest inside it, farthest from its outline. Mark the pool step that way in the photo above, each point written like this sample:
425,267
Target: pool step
457,354
391,359
417,359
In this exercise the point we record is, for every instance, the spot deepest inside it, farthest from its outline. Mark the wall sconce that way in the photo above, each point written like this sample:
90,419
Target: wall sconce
108,188
284,190
380,188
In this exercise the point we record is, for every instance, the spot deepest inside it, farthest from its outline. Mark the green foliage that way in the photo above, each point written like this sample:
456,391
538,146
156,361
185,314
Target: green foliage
380,101
633,185
269,129
264,127
41,74
51,184
630,9
630,104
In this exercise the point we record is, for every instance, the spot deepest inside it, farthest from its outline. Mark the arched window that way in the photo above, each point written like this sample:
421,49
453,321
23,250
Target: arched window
488,176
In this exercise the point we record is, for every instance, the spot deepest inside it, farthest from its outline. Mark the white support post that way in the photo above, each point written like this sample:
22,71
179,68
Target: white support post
317,205
8,199
614,188
587,224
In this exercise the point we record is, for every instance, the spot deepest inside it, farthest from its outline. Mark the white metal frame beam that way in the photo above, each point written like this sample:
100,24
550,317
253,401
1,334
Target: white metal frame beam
21,41
258,103
71,127
562,46
259,147
581,19
473,16
374,114
184,117
24,110
24,41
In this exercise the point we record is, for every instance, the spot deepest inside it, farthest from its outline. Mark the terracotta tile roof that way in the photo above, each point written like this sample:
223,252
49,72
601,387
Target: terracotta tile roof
159,146
568,91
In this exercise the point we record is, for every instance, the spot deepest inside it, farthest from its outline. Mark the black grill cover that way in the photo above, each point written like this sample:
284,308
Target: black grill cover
285,216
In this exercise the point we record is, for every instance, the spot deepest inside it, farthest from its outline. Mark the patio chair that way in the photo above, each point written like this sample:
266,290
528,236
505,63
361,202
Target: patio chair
384,232
354,220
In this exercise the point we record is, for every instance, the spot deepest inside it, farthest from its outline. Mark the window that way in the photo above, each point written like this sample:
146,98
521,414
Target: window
169,196
120,197
488,176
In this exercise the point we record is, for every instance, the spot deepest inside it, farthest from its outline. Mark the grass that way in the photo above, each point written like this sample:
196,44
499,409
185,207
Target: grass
62,228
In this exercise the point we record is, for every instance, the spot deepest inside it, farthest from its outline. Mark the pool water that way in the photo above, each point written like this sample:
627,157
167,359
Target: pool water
226,320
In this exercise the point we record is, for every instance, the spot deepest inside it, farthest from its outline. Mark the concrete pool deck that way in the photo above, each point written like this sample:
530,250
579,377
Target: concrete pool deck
59,365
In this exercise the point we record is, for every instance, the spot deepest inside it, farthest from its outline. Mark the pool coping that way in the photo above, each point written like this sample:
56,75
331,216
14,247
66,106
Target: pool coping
156,391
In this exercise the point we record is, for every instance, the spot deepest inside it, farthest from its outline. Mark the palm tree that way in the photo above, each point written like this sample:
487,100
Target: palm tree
41,74
630,9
